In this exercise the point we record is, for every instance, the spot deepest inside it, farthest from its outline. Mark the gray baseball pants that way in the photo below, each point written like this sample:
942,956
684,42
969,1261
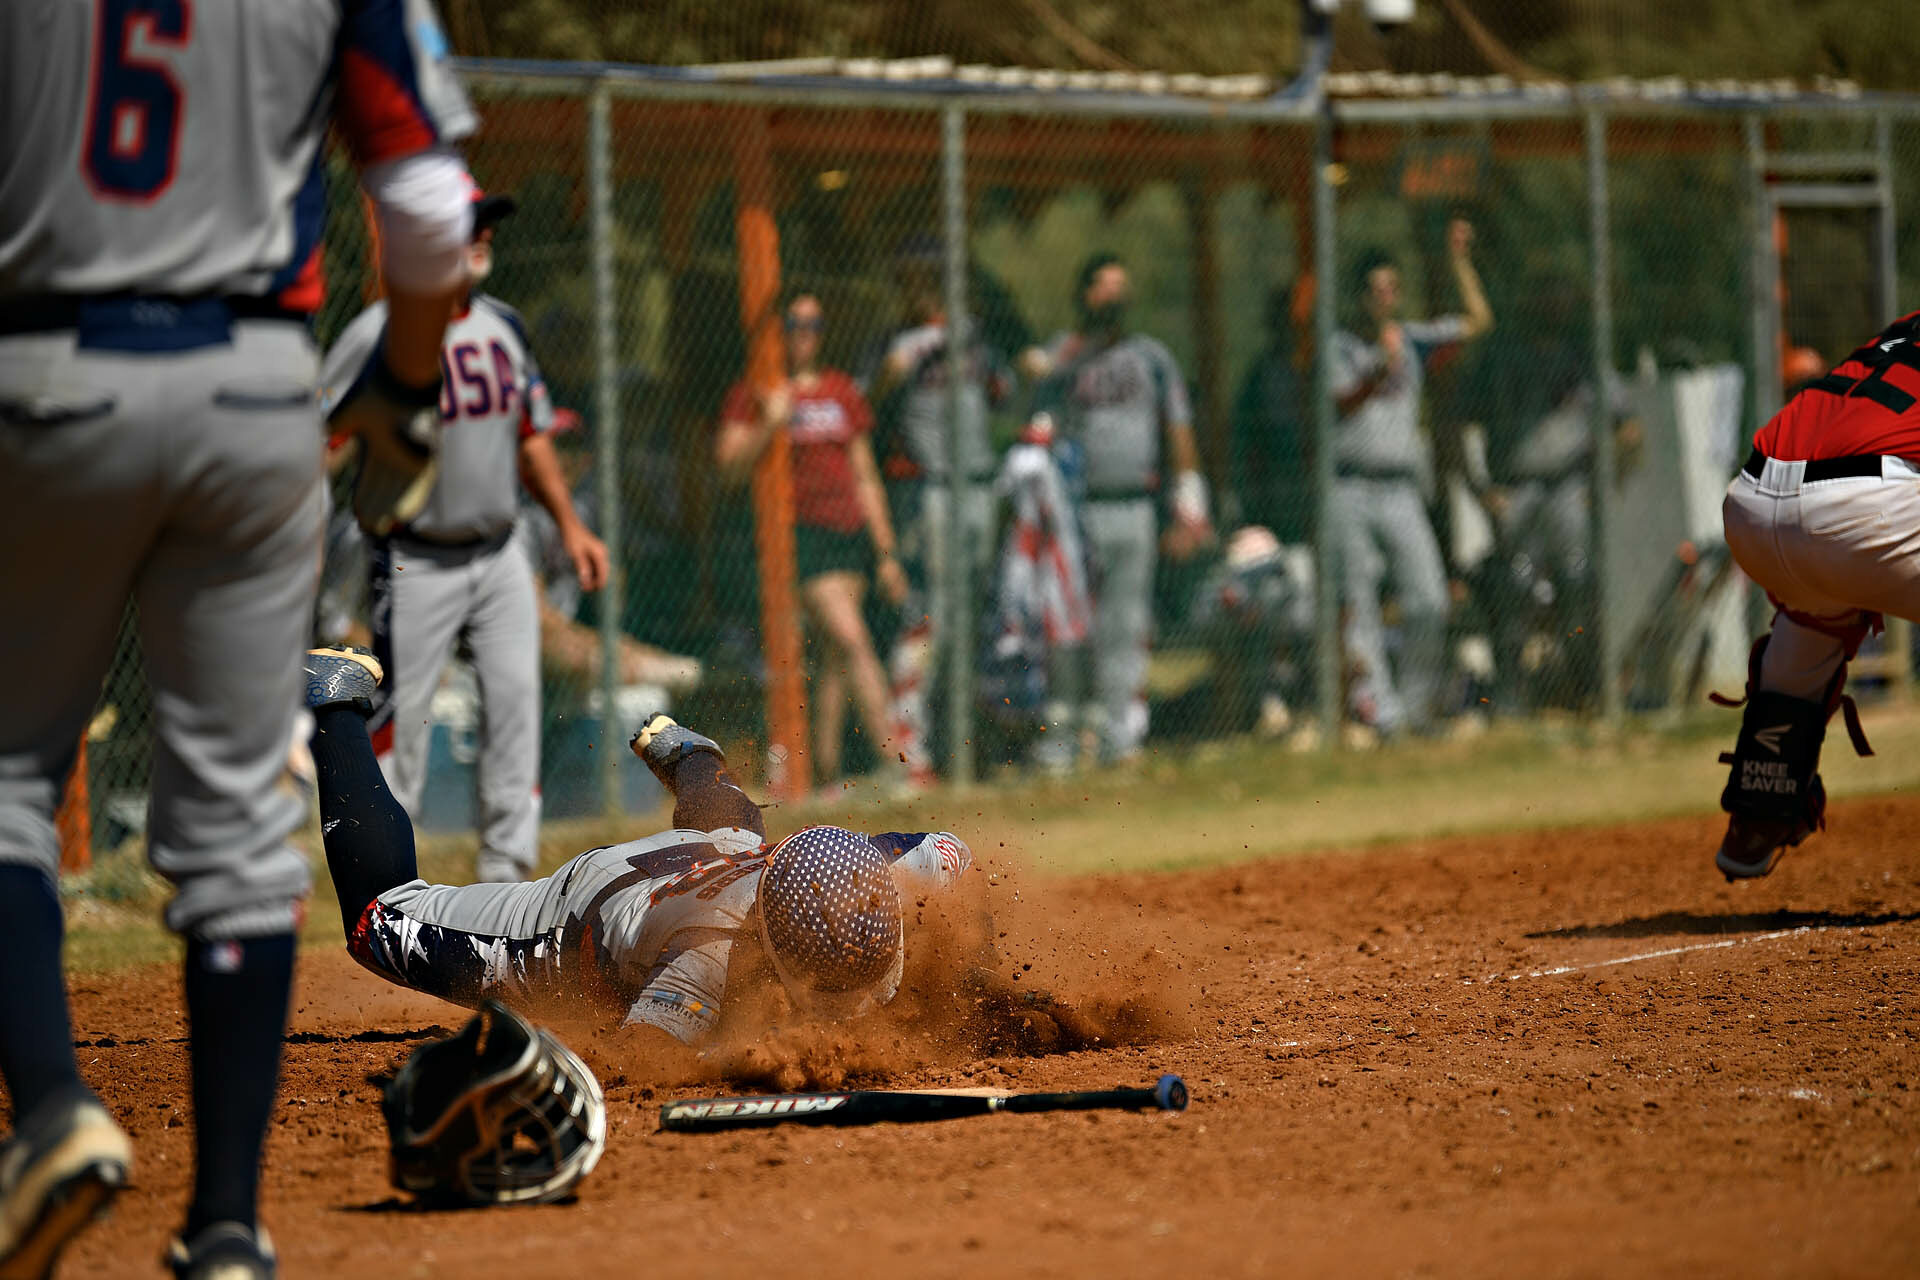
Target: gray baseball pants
1381,534
918,663
1552,520
188,482
1122,552
425,598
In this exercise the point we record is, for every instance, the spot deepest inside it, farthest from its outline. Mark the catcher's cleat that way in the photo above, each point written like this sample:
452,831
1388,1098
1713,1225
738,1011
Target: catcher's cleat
663,742
224,1251
1752,846
60,1172
342,675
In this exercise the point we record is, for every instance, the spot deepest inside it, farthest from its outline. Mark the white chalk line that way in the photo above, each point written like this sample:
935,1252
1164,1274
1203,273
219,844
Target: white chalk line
1721,944
1718,945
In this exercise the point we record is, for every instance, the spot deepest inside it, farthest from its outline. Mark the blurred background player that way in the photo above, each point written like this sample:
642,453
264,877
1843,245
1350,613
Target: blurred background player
1115,396
912,387
1382,473
658,933
450,575
1536,387
158,265
1825,517
842,528
569,649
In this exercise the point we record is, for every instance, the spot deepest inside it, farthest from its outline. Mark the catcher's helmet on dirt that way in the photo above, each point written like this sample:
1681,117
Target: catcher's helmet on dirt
502,1113
831,920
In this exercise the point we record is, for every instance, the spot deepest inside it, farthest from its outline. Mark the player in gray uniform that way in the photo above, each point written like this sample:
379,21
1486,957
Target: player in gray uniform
912,381
451,573
160,218
1383,469
1115,397
1537,406
655,933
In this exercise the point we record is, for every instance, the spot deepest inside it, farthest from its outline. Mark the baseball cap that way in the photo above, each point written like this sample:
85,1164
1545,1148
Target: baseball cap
491,210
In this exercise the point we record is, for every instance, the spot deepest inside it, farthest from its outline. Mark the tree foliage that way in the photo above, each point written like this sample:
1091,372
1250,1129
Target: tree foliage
1876,42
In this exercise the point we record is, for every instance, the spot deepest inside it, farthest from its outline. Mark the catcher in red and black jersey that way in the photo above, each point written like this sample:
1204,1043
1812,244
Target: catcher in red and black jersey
1825,515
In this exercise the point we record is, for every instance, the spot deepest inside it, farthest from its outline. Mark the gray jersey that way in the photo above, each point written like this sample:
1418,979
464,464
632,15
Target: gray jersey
158,147
1382,436
1116,402
491,399
647,926
1561,442
926,403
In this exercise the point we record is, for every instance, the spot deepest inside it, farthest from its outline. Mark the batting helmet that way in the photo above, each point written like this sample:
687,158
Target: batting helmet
502,1113
831,920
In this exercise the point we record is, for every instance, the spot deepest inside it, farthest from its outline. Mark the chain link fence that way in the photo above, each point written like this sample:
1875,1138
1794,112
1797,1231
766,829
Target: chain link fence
1446,481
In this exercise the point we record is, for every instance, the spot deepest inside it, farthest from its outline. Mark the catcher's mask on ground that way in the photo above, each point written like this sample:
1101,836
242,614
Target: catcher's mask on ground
501,1113
831,921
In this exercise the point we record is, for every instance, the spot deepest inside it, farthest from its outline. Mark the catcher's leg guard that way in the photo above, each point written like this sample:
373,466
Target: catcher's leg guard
1773,791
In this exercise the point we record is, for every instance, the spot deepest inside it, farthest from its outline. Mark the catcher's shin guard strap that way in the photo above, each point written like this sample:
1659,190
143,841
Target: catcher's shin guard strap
1775,763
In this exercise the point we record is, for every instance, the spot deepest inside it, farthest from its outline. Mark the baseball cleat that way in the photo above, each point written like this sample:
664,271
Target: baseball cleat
1752,846
224,1251
663,742
60,1172
342,675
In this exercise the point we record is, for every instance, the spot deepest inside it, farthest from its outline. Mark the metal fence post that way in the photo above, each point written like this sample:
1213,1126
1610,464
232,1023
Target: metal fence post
1326,629
957,626
1600,233
606,462
1763,283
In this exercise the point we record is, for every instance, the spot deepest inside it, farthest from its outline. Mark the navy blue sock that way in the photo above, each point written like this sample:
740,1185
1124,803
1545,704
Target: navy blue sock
36,1039
237,996
368,836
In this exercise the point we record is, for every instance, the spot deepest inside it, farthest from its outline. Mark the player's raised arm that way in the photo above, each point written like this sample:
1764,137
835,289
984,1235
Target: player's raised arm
691,766
1479,313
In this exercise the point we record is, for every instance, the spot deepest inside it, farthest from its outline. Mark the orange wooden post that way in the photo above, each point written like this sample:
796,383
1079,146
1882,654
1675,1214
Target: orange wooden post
372,283
74,819
759,240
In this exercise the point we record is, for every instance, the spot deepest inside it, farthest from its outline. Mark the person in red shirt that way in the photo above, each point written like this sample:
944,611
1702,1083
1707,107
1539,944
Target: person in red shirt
1825,516
842,529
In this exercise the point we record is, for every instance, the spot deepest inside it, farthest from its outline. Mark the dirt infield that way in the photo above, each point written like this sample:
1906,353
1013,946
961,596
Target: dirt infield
1545,1054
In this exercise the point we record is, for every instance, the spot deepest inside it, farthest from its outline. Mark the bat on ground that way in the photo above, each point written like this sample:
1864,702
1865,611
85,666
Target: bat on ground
874,1106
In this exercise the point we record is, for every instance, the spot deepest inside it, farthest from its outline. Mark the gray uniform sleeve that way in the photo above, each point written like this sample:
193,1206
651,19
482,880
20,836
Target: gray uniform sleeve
1175,405
682,993
1353,361
536,398
397,94
349,354
1428,336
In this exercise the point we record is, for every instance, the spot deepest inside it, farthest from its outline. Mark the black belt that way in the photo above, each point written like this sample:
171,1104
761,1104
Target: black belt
419,542
1857,466
1381,476
43,313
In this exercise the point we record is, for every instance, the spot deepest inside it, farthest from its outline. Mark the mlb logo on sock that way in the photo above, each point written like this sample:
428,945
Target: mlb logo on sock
225,957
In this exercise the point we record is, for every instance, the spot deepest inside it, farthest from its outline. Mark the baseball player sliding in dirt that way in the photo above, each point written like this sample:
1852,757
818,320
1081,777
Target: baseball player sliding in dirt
160,223
452,572
659,933
1825,516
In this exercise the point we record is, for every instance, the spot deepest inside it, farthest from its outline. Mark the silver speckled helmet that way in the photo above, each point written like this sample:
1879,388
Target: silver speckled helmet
831,919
